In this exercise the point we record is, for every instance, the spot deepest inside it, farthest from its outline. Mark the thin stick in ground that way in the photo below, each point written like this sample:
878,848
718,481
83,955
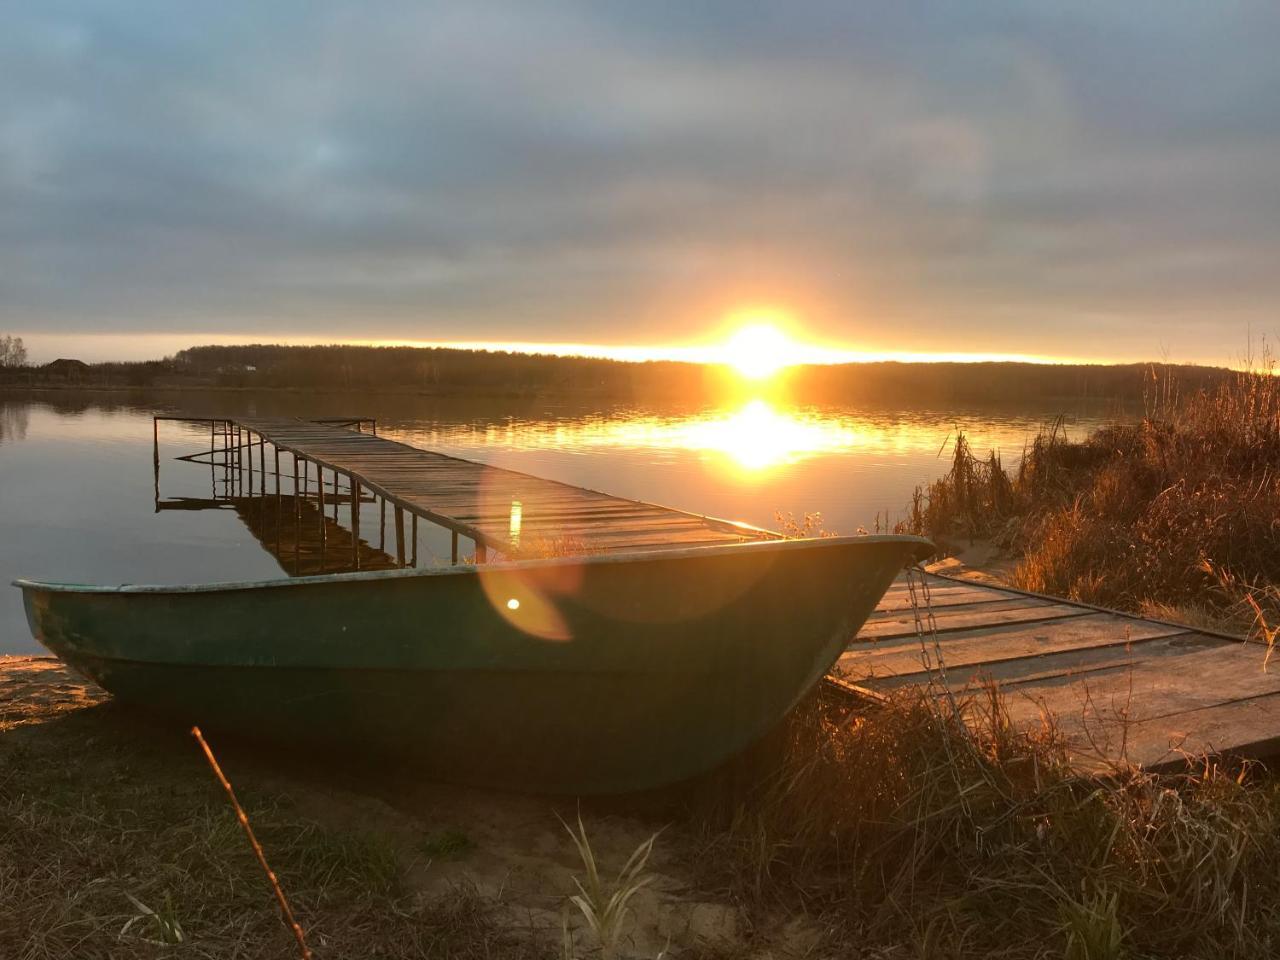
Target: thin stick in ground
253,842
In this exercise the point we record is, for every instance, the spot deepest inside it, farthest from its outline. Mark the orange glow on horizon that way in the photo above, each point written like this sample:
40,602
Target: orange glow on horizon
95,348
714,353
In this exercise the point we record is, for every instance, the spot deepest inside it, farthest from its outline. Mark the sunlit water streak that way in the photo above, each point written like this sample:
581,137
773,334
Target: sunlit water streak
76,484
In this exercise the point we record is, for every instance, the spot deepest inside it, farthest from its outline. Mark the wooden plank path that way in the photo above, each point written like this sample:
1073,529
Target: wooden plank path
515,513
1123,690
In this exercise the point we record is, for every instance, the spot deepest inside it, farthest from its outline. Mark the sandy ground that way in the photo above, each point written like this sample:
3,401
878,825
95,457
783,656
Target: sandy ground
980,561
35,689
513,848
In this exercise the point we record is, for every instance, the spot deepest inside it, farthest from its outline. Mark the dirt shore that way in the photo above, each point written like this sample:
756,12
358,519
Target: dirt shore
109,815
978,560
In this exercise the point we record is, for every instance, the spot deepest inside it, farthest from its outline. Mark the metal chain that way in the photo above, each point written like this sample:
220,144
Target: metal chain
927,630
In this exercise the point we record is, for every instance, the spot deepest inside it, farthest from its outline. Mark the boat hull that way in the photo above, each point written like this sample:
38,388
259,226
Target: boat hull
595,675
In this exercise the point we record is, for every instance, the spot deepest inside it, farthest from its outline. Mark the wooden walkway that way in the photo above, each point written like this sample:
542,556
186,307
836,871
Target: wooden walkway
1122,689
515,513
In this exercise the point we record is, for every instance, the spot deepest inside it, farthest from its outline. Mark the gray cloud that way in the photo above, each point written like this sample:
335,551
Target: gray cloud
1097,179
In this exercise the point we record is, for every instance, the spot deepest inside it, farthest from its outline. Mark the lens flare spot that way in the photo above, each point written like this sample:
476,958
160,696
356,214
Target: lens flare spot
513,604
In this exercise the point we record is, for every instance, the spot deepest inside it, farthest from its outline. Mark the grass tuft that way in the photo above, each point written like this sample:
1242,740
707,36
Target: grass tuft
445,845
605,907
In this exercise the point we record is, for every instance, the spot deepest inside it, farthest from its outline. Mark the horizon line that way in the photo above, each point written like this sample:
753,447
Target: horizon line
707,354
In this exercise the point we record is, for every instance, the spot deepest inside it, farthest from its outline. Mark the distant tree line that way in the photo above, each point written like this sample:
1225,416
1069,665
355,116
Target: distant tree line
443,371
425,369
997,381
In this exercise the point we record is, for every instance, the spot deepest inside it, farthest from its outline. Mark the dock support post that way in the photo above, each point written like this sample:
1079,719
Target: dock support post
324,533
297,519
454,538
279,510
414,525
155,458
355,522
382,524
399,535
482,551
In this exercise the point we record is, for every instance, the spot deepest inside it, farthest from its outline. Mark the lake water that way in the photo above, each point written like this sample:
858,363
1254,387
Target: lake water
77,495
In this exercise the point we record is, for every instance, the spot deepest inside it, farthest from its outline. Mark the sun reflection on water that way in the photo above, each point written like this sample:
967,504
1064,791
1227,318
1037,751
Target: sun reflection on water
749,440
759,436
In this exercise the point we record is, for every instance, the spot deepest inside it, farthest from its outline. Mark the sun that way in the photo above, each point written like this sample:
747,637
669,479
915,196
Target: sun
758,351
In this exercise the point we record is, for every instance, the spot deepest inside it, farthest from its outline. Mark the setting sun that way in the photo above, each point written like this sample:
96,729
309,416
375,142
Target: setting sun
759,351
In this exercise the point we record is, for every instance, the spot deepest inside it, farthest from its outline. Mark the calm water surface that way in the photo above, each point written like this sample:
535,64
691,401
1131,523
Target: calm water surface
77,496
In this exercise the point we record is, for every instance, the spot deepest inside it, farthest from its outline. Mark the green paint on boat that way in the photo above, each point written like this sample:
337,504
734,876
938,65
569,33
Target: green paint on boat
600,674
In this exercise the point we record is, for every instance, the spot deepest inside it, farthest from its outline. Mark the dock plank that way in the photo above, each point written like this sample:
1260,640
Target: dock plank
1003,651
1249,727
966,618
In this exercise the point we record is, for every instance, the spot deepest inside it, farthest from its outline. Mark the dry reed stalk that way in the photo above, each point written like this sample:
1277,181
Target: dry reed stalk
257,847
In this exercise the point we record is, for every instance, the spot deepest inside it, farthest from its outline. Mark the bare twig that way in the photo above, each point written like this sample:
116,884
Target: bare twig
253,842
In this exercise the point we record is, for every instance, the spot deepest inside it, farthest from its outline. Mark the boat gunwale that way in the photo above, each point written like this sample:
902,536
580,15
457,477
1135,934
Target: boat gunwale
925,548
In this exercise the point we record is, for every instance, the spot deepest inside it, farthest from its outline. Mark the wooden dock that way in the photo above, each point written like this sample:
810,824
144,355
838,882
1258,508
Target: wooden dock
1122,689
513,513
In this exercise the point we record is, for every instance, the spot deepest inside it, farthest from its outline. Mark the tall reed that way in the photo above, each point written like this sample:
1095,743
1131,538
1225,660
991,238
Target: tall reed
1175,512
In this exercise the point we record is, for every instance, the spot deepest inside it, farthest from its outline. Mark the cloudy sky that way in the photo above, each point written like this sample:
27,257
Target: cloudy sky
1097,180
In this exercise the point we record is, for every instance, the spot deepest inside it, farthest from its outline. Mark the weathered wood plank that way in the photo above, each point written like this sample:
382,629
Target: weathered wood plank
1248,727
901,602
987,614
957,609
1006,652
1204,676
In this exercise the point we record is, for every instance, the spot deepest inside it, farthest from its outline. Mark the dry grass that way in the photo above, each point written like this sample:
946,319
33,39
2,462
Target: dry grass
901,830
910,832
550,548
115,841
1176,512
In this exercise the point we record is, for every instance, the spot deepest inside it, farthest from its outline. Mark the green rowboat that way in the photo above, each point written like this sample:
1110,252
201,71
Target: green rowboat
598,674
